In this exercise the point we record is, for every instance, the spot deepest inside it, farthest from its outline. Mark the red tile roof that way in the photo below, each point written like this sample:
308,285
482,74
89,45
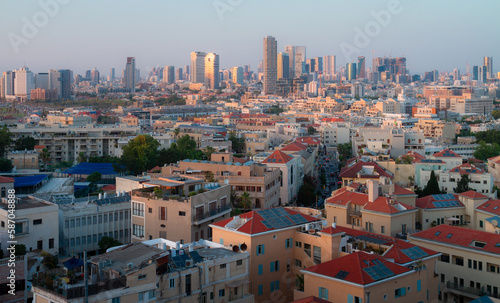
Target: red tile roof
278,157
427,202
110,187
416,157
354,265
446,153
39,146
254,225
491,206
473,194
395,252
352,172
400,191
236,160
311,299
309,141
294,146
462,237
466,169
6,179
494,159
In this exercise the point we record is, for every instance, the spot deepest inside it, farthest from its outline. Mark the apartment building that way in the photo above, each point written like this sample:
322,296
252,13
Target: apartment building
333,134
436,129
281,241
159,271
465,104
362,172
261,182
396,141
291,174
480,181
494,169
24,159
451,158
36,224
67,120
197,132
181,207
365,207
83,222
308,159
469,265
65,143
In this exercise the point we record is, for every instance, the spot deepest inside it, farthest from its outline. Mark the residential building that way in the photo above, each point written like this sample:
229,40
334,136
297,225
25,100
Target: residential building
362,172
436,129
237,75
270,64
283,66
291,175
198,67
395,141
36,224
130,74
169,74
24,159
469,264
494,169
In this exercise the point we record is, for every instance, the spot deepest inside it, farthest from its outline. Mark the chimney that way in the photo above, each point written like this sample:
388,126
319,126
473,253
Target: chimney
372,190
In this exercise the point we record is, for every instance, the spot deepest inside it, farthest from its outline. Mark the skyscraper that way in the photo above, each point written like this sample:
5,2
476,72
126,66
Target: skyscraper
283,66
350,71
483,74
488,62
475,72
8,84
24,82
237,75
111,74
212,76
198,67
300,60
169,74
290,50
130,74
361,68
179,75
270,65
329,65
94,76
61,81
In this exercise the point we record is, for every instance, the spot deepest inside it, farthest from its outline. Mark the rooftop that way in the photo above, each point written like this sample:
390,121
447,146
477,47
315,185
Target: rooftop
439,201
27,203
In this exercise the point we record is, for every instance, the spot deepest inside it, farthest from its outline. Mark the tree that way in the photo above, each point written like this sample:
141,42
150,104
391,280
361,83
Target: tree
5,165
94,177
463,184
23,143
432,187
5,140
307,196
209,177
140,154
233,198
245,201
209,150
485,151
311,130
82,157
237,143
45,157
496,113
177,132
106,242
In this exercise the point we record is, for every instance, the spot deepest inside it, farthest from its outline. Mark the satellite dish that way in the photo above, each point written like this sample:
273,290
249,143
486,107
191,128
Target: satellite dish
494,223
236,248
244,247
226,181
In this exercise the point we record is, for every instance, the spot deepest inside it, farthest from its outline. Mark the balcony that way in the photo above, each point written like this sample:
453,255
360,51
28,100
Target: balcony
462,290
209,215
354,213
247,298
78,290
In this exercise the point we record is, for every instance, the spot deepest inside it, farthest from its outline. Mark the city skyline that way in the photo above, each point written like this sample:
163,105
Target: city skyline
110,38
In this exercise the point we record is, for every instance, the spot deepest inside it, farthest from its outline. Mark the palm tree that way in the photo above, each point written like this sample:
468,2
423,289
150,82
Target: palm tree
177,132
209,150
45,157
245,201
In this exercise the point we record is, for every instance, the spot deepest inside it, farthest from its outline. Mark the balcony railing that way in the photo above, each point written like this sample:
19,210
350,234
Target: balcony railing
209,214
79,291
355,213
473,292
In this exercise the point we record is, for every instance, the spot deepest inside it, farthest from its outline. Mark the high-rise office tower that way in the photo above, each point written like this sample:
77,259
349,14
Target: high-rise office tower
187,72
130,74
111,77
24,82
198,67
488,62
361,68
212,76
8,84
237,75
400,66
319,64
311,65
169,74
300,60
61,81
351,71
329,65
88,75
179,75
270,65
483,74
283,66
290,50
94,76
456,74
475,72
42,80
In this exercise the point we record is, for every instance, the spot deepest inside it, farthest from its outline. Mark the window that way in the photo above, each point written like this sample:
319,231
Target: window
354,299
100,219
141,277
162,213
115,300
138,230
307,249
481,224
182,213
72,242
222,266
275,266
399,292
382,229
419,285
298,263
260,290
222,293
151,294
72,223
317,254
239,262
260,249
39,245
323,293
141,296
150,210
275,285
51,243
288,243
94,219
188,285
137,210
77,241
4,192
105,218
260,269
94,238
172,283
37,222
298,244
84,240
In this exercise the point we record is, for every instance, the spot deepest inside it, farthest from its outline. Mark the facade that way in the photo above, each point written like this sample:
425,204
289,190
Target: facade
36,224
24,159
24,82
212,77
469,264
291,174
169,74
130,74
283,66
270,65
351,71
198,67
237,75
436,129
83,223
167,203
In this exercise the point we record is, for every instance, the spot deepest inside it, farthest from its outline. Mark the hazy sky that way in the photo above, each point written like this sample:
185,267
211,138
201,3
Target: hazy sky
443,35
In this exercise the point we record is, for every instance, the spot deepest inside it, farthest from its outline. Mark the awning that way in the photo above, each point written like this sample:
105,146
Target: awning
452,219
237,282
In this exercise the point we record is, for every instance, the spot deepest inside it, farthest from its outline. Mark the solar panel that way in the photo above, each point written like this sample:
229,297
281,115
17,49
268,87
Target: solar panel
341,274
196,256
414,253
378,271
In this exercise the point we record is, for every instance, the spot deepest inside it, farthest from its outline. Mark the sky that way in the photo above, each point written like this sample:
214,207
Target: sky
81,35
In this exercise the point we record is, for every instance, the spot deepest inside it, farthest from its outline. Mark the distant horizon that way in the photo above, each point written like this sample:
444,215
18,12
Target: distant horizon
432,36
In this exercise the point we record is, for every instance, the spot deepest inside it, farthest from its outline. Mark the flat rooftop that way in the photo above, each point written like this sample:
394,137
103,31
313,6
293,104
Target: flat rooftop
27,203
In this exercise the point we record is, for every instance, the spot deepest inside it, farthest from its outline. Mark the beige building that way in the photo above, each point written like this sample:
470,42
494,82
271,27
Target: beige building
130,120
66,120
494,169
24,159
179,207
469,264
149,272
436,129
